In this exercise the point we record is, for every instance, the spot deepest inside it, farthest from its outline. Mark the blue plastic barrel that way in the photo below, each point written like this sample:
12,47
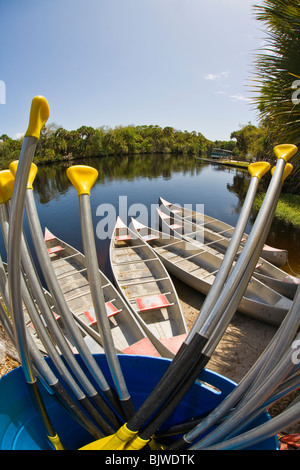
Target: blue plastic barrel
21,428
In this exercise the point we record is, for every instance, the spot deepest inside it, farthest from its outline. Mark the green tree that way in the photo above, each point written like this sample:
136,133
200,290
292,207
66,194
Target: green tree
251,142
278,74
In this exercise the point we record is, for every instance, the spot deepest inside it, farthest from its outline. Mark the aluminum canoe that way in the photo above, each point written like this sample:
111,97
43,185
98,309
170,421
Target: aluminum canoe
70,268
192,226
198,268
147,287
276,256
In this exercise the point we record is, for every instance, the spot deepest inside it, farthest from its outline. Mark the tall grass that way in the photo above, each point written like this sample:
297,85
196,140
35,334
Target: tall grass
288,207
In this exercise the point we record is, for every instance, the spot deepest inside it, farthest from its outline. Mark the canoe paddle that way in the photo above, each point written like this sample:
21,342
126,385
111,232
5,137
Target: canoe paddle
238,418
55,290
192,355
44,373
257,170
264,364
258,434
48,317
222,315
64,312
191,375
83,178
39,114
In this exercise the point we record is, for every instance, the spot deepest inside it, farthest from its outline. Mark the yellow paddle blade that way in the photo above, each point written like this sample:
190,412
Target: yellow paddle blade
259,169
32,173
285,151
154,445
137,443
56,442
39,114
286,172
7,182
82,177
117,441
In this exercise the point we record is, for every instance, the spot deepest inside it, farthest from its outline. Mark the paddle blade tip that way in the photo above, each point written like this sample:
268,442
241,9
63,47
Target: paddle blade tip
82,177
7,182
285,151
39,114
259,169
13,167
286,172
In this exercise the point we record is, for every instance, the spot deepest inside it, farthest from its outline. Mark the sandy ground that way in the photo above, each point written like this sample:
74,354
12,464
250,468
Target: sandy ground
242,343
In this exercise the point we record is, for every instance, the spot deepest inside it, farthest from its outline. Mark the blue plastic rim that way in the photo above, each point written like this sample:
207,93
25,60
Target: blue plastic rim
21,428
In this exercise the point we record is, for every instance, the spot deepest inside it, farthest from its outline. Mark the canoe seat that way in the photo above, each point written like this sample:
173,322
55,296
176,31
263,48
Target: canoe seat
174,343
55,249
144,347
152,302
177,211
149,237
123,237
110,310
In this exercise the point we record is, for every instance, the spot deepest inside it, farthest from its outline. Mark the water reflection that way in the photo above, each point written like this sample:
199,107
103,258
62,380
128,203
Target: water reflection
52,181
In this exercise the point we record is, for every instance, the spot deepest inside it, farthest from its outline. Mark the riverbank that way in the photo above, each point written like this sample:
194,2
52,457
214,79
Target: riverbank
287,208
234,163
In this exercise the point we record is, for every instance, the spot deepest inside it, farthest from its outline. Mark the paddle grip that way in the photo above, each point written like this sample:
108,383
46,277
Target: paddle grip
72,408
105,408
173,375
175,398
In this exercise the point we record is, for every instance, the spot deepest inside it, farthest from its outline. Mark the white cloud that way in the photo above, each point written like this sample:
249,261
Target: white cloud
210,76
213,76
19,135
239,97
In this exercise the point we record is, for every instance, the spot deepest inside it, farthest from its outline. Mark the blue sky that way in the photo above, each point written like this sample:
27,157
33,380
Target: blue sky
180,63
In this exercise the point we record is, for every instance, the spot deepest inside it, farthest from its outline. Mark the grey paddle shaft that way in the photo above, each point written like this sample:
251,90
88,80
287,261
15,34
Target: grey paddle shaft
14,277
262,432
244,259
14,254
225,316
39,296
41,369
99,301
54,287
228,259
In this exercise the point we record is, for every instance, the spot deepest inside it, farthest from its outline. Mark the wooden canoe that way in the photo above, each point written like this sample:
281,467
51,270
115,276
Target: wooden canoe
148,289
180,221
198,268
70,268
276,256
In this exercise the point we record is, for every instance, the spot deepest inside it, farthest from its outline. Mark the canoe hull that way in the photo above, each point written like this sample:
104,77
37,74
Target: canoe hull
70,267
192,229
198,269
146,286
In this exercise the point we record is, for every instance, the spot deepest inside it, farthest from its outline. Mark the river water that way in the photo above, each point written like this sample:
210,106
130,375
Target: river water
131,186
